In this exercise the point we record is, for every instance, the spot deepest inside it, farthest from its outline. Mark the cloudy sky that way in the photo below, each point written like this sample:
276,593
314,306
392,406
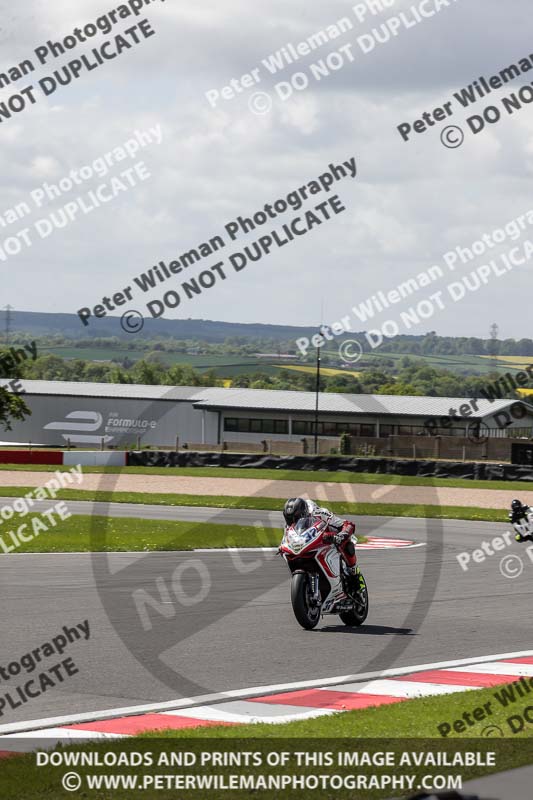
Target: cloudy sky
409,205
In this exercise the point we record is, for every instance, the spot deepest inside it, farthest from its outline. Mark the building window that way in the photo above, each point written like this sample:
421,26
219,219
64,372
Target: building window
386,430
300,427
367,429
243,425
347,427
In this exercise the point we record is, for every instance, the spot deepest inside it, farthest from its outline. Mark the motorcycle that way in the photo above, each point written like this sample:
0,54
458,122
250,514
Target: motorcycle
320,581
522,521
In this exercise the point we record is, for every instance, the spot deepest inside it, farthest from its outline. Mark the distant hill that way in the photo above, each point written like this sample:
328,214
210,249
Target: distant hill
38,324
69,325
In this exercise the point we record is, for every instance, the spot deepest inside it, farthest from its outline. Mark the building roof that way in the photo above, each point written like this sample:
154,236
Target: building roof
400,405
216,398
127,391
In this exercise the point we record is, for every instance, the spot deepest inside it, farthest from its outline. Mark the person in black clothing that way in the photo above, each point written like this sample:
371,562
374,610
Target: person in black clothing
521,517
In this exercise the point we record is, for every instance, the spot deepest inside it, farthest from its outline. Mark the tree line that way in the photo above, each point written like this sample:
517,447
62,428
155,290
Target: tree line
407,376
427,344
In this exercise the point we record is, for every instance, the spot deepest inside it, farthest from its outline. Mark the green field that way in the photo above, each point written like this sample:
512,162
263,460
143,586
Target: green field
222,363
228,366
200,362
224,366
459,364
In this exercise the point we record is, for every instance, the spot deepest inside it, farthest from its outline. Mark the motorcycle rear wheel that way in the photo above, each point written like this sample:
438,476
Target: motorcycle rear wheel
306,615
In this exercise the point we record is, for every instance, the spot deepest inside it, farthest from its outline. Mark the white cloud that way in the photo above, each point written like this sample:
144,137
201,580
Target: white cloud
44,166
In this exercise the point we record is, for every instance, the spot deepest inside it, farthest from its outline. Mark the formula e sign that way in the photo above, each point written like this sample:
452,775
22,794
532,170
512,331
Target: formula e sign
89,427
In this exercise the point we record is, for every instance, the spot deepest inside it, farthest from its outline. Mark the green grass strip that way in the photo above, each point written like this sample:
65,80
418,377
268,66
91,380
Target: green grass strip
107,534
272,504
321,476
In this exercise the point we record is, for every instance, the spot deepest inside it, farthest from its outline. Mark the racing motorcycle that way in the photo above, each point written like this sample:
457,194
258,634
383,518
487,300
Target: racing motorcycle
320,581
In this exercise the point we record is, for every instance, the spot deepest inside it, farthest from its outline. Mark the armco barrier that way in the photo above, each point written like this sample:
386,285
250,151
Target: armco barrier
88,458
384,466
31,457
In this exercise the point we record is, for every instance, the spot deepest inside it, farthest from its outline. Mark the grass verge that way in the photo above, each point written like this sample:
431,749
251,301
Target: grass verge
107,534
322,476
271,504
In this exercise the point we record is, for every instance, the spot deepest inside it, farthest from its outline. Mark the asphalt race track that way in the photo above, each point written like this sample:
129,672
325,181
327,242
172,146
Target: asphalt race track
224,621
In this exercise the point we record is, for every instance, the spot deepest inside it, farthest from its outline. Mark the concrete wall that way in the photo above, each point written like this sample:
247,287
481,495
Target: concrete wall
298,447
438,447
410,447
89,458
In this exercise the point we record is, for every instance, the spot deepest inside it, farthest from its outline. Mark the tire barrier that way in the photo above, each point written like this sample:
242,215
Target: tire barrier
422,468
382,466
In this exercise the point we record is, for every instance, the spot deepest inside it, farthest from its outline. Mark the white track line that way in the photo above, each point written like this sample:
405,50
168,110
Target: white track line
60,734
256,691
498,668
395,688
205,550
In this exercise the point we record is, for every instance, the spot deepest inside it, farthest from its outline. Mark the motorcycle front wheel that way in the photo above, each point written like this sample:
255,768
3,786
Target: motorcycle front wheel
358,615
307,615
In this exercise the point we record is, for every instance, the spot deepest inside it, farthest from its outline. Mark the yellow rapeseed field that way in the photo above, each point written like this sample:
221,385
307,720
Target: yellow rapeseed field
328,371
518,361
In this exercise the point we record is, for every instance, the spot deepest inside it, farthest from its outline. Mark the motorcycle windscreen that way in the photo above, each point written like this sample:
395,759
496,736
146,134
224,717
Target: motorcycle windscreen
303,524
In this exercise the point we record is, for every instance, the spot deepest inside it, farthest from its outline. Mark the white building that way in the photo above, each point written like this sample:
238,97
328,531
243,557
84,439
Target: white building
84,414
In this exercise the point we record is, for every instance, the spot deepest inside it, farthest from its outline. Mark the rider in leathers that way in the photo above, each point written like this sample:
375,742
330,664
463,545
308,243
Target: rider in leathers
521,517
339,531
